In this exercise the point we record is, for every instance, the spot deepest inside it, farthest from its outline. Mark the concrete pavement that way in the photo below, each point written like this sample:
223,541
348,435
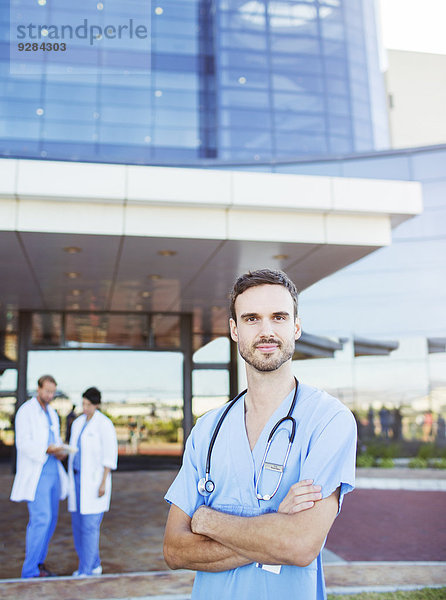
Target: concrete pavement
389,535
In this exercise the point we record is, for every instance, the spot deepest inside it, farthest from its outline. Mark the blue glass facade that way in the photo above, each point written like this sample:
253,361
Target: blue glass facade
225,80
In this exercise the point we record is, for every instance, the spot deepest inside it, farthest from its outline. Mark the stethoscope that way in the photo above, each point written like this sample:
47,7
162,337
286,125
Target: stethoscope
206,486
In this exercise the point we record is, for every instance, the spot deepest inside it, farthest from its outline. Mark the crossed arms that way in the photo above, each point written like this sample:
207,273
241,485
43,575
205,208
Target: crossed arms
216,541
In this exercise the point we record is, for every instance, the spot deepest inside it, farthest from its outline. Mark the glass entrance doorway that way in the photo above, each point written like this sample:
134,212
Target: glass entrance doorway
142,393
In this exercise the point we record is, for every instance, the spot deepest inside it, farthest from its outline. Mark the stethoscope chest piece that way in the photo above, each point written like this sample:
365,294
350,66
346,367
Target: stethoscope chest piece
206,486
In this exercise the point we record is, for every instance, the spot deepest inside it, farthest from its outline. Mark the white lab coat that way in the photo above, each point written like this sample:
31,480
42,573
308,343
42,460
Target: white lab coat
31,437
99,449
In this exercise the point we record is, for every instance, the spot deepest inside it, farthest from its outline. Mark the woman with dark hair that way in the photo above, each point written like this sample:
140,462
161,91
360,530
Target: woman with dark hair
89,473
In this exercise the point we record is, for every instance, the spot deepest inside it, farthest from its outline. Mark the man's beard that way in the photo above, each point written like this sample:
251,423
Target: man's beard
267,362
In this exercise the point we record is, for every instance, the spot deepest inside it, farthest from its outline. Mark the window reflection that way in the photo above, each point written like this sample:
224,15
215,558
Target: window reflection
97,329
261,57
46,329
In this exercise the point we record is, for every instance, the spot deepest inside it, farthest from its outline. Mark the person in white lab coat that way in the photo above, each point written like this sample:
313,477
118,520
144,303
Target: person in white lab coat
40,479
89,473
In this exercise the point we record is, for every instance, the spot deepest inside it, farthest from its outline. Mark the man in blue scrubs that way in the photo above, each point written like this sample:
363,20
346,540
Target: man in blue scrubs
244,540
40,479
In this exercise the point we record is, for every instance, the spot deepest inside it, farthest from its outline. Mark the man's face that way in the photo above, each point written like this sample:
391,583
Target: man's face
46,392
266,329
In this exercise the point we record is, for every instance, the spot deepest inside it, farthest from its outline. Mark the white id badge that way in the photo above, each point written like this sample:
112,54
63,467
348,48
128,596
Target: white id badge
270,568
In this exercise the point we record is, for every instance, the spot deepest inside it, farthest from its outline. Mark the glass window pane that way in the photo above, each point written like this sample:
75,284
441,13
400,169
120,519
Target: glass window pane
342,145
165,331
210,390
242,39
244,118
245,138
292,82
89,330
291,45
288,121
244,79
46,329
299,102
26,129
217,351
337,86
297,143
69,131
242,59
188,138
246,98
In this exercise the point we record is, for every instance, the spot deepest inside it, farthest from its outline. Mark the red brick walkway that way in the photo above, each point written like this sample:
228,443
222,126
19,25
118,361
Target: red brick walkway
391,525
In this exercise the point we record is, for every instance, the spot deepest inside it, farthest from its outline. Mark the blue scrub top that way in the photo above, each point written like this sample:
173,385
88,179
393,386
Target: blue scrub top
324,450
50,467
77,457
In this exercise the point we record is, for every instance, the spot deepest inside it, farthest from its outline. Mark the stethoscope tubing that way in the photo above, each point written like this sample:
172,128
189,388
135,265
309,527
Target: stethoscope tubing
272,432
217,429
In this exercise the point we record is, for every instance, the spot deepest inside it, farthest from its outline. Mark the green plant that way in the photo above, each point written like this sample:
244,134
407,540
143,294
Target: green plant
382,449
427,451
386,463
365,461
417,463
438,463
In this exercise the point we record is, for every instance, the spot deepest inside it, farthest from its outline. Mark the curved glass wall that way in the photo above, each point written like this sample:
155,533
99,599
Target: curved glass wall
229,80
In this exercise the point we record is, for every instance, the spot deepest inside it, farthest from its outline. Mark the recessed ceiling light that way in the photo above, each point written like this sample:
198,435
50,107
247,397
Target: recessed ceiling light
72,249
76,292
75,307
139,307
72,274
154,277
145,294
167,252
281,256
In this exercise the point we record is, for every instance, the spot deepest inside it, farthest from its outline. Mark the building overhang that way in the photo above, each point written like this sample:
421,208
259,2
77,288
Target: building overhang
171,239
366,347
315,346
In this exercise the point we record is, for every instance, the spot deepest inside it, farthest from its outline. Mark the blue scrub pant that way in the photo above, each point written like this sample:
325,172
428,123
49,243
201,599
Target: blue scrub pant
85,534
43,513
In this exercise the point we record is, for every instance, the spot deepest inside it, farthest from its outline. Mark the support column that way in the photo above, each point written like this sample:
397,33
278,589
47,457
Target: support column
233,370
22,369
187,348
22,359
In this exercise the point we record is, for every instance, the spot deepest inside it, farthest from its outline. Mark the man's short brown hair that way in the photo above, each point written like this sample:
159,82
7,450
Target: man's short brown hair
44,378
262,277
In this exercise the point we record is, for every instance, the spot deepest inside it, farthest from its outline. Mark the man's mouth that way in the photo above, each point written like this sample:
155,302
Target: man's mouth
267,347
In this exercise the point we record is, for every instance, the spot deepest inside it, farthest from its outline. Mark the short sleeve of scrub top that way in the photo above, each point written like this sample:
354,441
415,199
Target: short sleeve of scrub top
331,457
183,491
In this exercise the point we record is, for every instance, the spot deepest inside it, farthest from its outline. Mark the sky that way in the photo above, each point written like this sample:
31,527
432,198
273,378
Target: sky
417,25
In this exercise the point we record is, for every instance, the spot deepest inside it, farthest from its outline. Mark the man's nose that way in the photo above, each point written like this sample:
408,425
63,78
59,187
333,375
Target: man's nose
266,329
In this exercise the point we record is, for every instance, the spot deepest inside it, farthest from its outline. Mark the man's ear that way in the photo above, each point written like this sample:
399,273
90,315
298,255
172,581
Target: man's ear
297,329
233,330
